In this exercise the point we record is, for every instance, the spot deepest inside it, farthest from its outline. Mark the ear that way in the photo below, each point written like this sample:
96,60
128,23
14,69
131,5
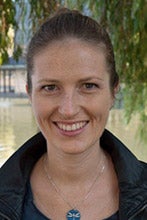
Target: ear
28,93
115,91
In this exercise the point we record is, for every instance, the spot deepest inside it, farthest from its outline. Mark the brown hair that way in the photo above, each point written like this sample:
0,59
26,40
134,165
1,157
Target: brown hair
71,23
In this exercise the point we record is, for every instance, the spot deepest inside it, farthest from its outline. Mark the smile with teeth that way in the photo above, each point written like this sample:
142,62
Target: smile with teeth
71,127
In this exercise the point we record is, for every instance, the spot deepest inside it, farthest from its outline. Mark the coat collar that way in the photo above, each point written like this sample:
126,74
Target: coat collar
132,174
15,174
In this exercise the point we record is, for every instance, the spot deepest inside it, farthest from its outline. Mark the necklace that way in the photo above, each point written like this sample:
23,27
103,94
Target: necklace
73,213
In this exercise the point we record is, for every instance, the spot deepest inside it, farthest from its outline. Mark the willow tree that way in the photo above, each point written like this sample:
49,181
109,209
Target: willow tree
126,22
7,21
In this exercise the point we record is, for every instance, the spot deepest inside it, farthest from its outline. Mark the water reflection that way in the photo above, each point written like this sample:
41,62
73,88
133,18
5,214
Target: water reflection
128,133
17,124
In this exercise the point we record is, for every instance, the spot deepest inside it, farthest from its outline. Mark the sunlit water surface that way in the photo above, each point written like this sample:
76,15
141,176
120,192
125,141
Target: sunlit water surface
17,124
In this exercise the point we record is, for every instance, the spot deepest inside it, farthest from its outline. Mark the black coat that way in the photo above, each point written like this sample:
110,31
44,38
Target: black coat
131,173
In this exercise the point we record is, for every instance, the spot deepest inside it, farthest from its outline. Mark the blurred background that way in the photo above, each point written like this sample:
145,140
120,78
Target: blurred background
126,23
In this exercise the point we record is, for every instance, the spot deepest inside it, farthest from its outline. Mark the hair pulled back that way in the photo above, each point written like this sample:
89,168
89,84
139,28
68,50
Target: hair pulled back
71,23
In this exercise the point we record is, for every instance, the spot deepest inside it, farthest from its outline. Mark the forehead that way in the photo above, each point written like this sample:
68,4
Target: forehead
71,44
70,56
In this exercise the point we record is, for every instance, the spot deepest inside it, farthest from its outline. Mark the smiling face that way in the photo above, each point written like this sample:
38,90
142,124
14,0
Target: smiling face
71,95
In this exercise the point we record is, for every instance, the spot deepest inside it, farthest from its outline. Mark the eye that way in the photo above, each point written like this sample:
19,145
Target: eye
90,86
50,88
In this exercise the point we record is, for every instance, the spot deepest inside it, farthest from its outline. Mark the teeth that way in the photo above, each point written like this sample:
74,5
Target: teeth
72,127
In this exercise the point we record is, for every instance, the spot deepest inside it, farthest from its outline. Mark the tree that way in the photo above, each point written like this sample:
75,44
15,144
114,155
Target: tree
126,22
7,21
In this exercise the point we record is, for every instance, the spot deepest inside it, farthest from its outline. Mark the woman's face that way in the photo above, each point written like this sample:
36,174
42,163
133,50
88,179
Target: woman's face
71,95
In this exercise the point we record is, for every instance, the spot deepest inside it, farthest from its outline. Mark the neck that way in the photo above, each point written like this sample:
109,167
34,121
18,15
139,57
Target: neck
74,168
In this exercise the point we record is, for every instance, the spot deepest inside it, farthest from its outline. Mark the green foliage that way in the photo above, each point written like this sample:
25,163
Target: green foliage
40,10
7,20
17,53
126,22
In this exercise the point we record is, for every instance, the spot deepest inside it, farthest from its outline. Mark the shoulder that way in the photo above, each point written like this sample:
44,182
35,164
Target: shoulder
19,165
14,174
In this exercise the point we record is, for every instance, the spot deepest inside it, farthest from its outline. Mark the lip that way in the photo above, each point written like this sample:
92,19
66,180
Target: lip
71,128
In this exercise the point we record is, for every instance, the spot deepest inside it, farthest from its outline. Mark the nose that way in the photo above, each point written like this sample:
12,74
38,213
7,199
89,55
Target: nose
68,106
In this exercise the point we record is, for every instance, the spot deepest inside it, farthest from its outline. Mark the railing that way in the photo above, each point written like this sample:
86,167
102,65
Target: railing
12,79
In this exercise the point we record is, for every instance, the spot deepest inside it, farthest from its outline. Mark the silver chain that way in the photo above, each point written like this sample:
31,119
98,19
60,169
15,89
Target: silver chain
61,194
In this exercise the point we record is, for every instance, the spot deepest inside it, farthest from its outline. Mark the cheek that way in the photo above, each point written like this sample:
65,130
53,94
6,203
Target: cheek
102,104
39,109
43,110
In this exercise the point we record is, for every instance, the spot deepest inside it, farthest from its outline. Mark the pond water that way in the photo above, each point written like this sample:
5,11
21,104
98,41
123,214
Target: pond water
17,124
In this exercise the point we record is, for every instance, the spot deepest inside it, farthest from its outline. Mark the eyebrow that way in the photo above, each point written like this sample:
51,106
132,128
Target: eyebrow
81,80
47,80
91,78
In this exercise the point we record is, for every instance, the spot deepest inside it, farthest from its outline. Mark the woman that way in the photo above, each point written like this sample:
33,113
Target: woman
73,169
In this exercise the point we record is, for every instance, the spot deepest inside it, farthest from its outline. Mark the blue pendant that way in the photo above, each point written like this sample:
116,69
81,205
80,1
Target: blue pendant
73,215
